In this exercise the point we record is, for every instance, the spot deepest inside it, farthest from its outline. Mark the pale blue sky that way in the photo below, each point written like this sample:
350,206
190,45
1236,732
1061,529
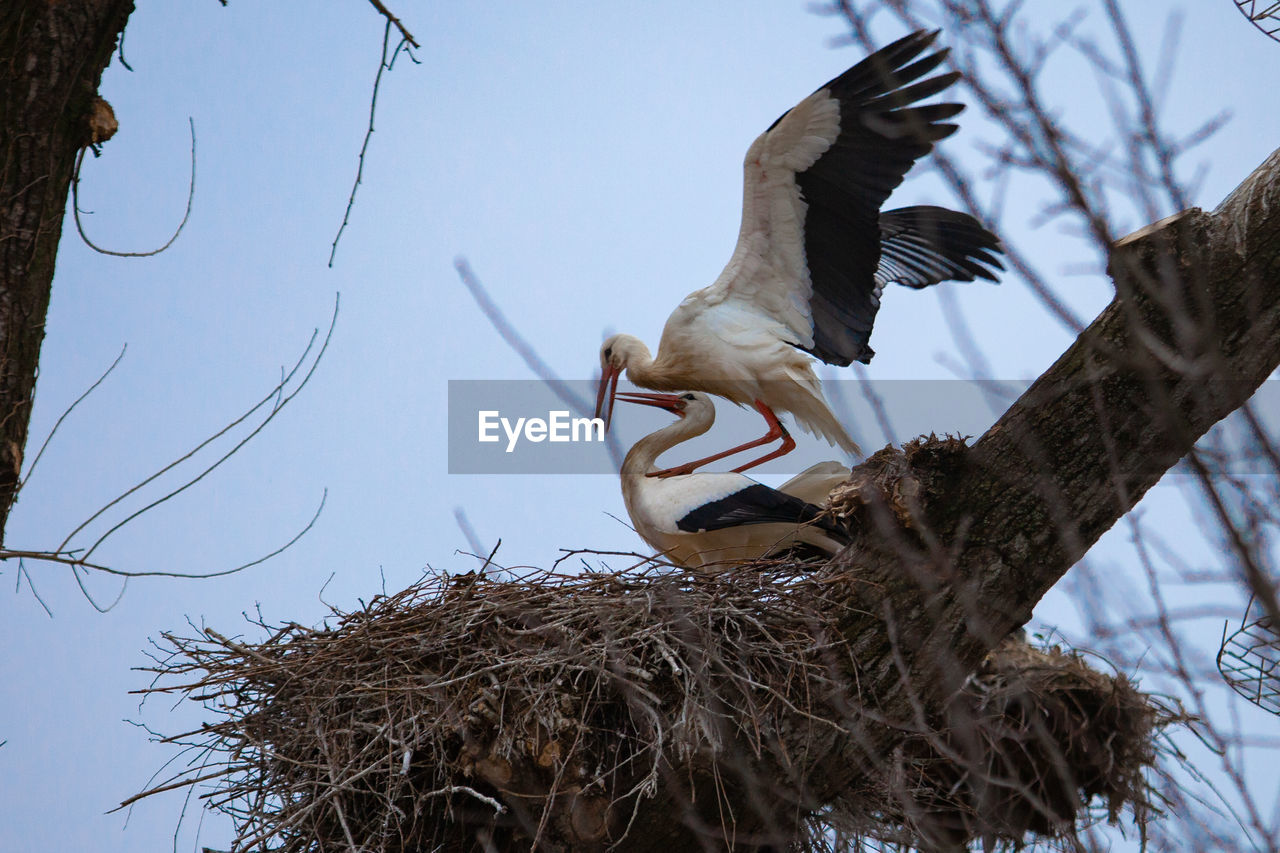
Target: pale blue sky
584,157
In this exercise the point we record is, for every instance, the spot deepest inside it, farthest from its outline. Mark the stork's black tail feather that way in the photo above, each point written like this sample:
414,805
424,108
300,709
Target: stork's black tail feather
925,245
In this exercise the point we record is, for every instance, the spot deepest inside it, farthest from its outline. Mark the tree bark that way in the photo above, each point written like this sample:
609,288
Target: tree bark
995,526
53,55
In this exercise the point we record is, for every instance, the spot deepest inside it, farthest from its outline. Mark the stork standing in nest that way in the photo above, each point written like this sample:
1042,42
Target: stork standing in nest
700,520
814,252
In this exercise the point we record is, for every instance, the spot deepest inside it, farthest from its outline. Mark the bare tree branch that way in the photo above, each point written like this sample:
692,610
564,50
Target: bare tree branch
528,354
52,432
278,397
392,19
368,135
71,558
75,206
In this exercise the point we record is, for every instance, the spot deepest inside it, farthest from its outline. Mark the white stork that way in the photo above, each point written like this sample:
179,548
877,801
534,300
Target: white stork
814,252
699,520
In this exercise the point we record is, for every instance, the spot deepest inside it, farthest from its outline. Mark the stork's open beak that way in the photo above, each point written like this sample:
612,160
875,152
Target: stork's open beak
670,402
608,389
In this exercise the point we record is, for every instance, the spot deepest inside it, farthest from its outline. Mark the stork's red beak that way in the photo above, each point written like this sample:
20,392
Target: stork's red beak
670,402
608,390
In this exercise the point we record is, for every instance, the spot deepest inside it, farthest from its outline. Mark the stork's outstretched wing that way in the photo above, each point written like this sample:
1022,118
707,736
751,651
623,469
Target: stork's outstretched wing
809,248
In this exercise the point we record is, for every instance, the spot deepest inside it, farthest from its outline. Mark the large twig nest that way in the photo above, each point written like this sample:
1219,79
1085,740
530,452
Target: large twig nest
468,714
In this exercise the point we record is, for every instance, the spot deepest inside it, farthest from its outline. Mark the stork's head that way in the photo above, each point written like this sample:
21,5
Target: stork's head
616,354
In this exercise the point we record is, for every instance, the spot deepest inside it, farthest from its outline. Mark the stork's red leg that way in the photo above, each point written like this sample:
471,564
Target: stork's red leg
776,431
788,445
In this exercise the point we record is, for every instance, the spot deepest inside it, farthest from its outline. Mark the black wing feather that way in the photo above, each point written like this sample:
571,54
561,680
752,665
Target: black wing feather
919,246
925,245
883,131
758,504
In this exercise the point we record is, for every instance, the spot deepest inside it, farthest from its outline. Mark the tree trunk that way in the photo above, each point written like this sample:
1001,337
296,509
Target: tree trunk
53,55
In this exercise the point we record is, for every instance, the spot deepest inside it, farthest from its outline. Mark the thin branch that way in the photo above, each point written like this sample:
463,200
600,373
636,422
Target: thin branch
489,560
393,20
404,48
69,558
464,789
75,206
364,147
875,401
63,417
468,530
79,559
88,596
181,783
21,573
1150,128
528,354
120,48
208,470
275,393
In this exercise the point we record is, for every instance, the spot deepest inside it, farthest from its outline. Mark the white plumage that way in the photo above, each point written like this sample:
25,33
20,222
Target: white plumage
814,252
814,484
701,520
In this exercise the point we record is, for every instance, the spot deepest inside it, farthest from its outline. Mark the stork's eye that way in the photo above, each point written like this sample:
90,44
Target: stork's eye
608,352
689,397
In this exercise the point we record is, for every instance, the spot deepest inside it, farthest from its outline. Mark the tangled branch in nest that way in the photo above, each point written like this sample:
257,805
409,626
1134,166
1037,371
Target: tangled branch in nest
466,714
1036,738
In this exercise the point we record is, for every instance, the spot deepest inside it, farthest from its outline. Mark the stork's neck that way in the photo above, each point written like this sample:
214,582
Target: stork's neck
659,374
644,454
